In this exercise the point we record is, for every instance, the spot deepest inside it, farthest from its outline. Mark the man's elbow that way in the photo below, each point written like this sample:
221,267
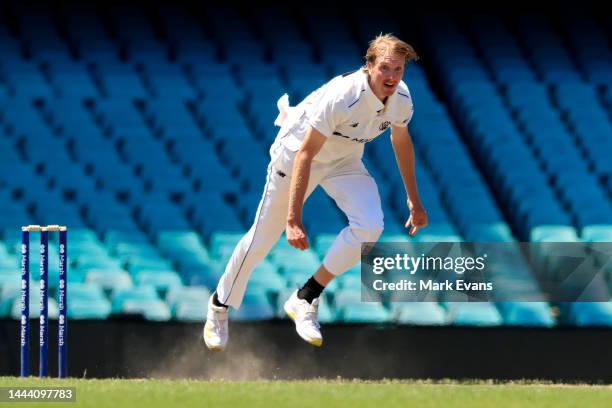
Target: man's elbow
304,155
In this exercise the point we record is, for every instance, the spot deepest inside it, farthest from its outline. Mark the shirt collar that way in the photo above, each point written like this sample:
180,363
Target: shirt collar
372,100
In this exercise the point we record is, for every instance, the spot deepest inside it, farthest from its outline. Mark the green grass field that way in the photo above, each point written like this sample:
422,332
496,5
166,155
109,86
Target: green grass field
316,393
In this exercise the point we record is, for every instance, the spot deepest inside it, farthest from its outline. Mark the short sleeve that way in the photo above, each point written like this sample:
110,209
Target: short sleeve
405,111
327,113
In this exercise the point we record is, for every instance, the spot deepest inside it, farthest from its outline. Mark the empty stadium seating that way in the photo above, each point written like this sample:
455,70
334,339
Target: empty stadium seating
148,135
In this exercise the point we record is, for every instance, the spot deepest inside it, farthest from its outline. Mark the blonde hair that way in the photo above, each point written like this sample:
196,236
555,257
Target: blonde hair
388,43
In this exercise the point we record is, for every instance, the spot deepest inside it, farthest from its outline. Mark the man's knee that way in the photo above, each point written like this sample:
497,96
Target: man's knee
368,231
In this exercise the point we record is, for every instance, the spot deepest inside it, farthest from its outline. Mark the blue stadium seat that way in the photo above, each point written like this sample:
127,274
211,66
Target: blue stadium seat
205,274
420,314
364,313
265,277
553,233
190,312
585,314
109,279
120,80
255,306
597,233
25,79
137,293
89,309
138,263
526,314
223,84
292,258
183,248
222,244
346,297
216,215
473,314
72,80
154,309
161,280
87,301
193,297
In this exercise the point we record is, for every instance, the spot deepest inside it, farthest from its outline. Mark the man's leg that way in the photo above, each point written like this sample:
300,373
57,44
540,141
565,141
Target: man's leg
355,192
250,250
270,221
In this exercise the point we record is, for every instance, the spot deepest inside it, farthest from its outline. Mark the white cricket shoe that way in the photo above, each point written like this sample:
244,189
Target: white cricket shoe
215,330
304,315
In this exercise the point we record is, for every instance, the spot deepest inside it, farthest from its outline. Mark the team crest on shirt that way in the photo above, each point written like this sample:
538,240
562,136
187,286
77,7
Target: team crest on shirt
384,125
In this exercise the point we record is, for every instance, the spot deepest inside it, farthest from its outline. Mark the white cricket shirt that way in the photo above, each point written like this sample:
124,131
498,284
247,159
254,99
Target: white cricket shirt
346,111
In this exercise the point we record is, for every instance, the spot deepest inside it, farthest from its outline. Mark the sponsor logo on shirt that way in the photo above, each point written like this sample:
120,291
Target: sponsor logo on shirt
355,139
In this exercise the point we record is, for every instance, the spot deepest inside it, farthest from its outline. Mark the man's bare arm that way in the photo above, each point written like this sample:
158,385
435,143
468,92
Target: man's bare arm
313,142
404,155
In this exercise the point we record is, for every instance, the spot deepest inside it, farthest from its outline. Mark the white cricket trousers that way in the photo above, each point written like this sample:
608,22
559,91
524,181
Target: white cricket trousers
350,185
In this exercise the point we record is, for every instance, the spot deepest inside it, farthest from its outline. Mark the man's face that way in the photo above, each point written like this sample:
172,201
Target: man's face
385,74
